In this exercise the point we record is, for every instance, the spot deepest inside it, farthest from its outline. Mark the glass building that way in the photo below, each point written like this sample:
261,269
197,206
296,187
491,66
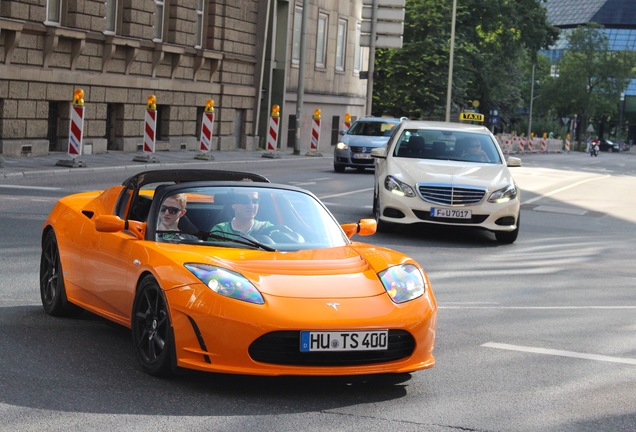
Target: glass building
618,17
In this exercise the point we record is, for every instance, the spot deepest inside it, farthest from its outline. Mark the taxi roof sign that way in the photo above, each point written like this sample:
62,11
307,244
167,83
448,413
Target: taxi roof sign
471,116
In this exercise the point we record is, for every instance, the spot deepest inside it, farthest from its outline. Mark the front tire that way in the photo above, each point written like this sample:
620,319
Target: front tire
508,237
381,225
152,333
339,168
52,290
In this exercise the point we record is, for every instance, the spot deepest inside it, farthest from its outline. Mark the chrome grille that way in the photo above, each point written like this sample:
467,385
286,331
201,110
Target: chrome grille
449,194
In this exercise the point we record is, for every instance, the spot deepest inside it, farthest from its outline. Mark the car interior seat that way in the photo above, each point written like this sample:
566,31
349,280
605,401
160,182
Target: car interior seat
416,146
439,149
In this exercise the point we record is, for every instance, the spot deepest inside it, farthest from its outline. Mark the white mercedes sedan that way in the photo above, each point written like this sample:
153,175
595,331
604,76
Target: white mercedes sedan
447,174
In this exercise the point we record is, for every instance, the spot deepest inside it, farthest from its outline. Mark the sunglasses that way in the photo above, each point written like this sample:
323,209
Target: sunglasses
171,210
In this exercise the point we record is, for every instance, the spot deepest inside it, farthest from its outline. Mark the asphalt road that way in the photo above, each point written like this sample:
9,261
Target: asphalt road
534,336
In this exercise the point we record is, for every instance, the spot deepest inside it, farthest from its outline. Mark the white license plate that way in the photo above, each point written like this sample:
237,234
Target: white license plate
344,340
362,155
451,213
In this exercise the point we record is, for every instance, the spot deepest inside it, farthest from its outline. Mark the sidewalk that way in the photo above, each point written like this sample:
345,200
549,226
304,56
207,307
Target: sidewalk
11,167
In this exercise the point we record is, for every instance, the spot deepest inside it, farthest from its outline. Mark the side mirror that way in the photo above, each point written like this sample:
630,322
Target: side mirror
379,152
112,224
513,161
365,227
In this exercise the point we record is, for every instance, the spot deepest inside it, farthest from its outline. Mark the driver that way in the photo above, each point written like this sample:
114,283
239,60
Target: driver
244,221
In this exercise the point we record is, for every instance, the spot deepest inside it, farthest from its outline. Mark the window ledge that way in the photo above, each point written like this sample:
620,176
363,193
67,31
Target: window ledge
13,32
51,41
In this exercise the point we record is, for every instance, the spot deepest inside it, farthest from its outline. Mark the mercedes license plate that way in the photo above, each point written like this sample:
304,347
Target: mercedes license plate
344,340
451,213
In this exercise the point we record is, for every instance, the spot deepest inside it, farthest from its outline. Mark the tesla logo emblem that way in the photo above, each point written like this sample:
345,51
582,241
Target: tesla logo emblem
334,305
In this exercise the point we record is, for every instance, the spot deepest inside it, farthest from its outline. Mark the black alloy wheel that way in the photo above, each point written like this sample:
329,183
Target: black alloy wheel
152,334
52,291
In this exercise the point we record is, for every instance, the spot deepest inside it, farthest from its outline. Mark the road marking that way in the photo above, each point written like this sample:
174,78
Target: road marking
552,209
556,191
30,187
346,193
560,353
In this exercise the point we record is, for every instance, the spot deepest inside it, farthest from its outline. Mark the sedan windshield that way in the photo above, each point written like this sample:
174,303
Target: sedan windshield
247,217
371,128
446,145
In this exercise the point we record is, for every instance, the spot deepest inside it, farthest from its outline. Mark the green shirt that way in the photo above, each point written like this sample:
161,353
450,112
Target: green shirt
227,227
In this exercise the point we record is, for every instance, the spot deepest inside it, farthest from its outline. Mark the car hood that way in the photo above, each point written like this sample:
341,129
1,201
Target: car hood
365,141
452,172
341,272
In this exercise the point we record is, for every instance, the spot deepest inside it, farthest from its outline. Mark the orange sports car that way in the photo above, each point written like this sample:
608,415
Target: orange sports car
223,271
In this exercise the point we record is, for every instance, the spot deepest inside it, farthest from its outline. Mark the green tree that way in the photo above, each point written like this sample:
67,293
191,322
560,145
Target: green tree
590,78
492,39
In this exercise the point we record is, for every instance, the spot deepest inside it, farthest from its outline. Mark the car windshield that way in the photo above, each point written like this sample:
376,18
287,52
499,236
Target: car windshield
246,217
446,145
371,128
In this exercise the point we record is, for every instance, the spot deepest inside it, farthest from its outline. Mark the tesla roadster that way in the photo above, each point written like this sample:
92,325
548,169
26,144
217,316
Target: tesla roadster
223,271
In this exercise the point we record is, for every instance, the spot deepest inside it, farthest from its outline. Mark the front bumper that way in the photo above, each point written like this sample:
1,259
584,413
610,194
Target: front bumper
215,334
411,210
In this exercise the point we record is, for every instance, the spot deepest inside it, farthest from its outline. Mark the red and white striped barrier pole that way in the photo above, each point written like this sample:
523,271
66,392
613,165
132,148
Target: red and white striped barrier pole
272,133
75,131
150,126
207,125
315,134
567,143
272,136
347,121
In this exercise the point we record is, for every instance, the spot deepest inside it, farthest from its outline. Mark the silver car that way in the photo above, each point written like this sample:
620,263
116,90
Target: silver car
354,147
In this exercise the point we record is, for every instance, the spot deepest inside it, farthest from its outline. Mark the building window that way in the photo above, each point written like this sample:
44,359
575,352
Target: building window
298,18
357,57
111,16
321,40
54,11
199,24
341,45
159,11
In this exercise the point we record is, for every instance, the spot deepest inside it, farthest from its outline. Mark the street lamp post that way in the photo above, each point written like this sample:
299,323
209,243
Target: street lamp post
449,90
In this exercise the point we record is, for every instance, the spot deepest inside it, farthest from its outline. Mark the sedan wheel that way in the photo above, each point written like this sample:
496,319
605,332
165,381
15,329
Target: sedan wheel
508,237
152,334
52,289
381,225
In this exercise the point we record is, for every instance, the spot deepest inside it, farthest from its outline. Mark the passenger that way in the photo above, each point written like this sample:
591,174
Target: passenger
172,209
170,213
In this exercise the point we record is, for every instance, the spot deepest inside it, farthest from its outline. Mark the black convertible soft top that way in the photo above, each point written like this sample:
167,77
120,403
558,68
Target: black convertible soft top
189,175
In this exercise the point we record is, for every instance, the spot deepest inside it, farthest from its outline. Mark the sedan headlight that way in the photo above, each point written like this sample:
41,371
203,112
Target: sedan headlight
403,283
342,146
226,283
398,187
504,195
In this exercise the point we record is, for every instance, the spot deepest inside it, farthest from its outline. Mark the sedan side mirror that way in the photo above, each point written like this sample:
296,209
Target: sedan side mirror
513,161
379,152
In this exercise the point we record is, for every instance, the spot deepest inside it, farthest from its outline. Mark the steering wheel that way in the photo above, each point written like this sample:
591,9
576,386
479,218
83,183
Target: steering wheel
281,234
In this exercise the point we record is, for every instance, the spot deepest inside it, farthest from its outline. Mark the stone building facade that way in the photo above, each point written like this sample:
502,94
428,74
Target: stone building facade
240,53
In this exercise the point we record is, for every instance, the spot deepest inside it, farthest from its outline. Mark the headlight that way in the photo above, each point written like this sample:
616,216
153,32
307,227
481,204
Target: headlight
403,283
398,187
504,195
342,146
226,283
